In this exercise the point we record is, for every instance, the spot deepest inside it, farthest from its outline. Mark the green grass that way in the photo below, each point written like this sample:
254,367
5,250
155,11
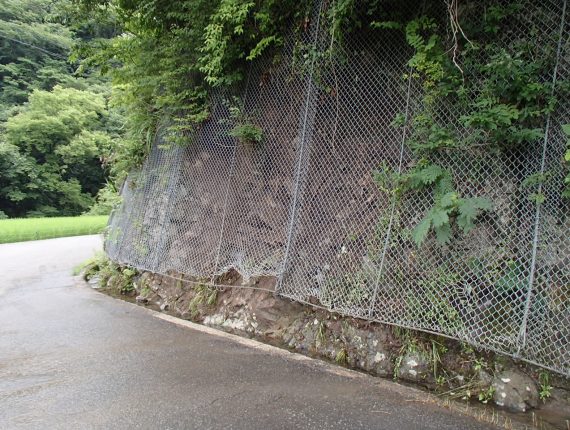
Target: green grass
23,229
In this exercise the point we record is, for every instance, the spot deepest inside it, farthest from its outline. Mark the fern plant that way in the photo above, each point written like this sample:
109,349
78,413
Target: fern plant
498,95
448,206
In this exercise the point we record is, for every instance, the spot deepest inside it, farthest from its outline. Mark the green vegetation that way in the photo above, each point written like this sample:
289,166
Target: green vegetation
51,154
448,205
566,130
244,128
172,54
496,91
109,274
341,357
545,387
321,335
92,266
67,137
23,229
205,296
435,304
486,395
164,59
247,134
433,349
58,131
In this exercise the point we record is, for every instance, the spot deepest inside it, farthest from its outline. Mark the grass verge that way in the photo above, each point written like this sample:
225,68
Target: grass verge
24,229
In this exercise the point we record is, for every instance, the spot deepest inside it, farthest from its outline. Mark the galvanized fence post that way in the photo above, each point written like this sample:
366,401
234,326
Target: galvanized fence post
393,202
521,340
302,159
170,191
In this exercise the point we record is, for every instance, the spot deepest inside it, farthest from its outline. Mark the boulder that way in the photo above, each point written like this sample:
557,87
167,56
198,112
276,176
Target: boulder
378,358
515,391
415,367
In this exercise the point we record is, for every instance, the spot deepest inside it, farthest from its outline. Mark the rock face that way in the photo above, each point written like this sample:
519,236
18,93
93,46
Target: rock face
415,366
515,391
262,314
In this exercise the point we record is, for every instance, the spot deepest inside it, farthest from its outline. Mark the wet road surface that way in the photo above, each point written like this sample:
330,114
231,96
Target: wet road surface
73,358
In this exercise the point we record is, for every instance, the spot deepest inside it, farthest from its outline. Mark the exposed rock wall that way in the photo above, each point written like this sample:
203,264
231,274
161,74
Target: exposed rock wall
435,363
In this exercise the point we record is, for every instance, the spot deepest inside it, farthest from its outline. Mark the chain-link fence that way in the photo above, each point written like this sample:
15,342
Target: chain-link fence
303,206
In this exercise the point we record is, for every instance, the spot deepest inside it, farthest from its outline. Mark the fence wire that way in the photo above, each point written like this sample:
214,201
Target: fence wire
303,207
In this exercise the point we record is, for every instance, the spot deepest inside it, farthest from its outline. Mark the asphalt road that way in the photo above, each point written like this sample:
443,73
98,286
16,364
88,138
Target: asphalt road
73,358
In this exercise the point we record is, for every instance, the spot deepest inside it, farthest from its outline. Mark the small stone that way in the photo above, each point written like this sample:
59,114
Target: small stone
214,320
379,357
141,299
164,306
94,281
485,378
515,391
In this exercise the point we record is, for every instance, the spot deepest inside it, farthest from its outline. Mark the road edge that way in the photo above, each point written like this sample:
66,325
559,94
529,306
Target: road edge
480,413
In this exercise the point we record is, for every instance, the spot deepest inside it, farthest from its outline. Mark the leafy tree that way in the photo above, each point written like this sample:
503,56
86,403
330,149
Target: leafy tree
52,153
34,45
15,173
56,126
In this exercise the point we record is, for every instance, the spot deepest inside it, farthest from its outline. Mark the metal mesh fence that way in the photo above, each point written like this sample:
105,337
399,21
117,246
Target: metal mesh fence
304,208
